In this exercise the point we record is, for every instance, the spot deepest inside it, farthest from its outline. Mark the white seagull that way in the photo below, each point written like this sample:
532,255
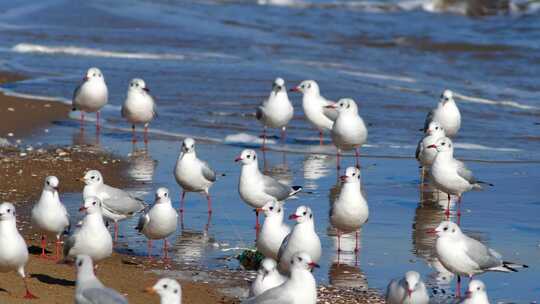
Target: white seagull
446,114
350,210
91,95
300,288
139,106
273,230
88,288
302,238
116,204
193,174
476,293
268,277
465,256
13,249
92,238
255,188
277,110
349,131
450,175
160,221
407,290
424,155
169,291
315,107
49,215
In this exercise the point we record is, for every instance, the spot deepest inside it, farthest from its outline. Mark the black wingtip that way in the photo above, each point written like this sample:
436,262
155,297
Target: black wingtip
73,109
297,188
485,183
223,174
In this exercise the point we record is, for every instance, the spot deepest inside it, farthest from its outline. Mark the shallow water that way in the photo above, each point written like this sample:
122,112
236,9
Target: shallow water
210,63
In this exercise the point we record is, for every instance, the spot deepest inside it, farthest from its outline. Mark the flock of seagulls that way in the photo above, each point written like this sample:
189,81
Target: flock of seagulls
285,275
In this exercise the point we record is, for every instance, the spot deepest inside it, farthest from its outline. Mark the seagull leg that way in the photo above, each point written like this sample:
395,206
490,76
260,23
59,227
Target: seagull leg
209,199
149,249
338,241
459,206
283,134
97,121
115,231
263,148
182,201
43,246
257,226
458,287
338,159
146,134
165,249
133,136
82,120
356,247
28,294
357,154
447,212
58,244
320,138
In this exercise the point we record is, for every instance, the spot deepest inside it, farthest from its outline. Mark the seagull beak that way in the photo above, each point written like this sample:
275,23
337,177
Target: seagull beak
314,265
293,216
295,89
343,178
85,78
80,179
239,158
431,231
432,146
82,209
468,294
409,292
150,290
146,89
330,106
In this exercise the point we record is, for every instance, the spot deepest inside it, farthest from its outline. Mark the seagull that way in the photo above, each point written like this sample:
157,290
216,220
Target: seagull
350,211
160,221
465,256
116,204
277,110
169,291
446,114
424,155
315,107
300,288
49,215
13,249
268,277
88,289
476,293
139,106
193,174
349,131
273,230
408,290
302,238
255,188
92,238
91,95
450,175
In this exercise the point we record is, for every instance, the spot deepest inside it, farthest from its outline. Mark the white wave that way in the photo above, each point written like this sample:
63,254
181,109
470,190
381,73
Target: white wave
506,103
379,76
246,139
82,51
35,97
469,146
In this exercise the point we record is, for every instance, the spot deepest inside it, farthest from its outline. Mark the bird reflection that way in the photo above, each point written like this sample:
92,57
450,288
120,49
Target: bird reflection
141,166
84,138
345,270
191,246
281,171
315,167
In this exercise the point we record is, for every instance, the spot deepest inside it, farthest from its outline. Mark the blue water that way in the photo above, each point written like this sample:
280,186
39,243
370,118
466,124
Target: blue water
209,64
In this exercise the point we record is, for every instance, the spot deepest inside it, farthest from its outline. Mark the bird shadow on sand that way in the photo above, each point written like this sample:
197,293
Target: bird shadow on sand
47,279
35,250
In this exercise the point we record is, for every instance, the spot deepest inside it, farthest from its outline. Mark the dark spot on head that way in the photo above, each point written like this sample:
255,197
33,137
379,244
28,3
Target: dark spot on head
165,286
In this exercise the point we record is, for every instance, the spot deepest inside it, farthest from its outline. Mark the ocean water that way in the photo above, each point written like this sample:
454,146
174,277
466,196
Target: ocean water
209,63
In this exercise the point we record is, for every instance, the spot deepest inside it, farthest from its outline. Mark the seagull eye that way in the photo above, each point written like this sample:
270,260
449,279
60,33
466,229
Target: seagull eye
445,228
92,177
249,156
305,212
80,263
165,286
477,288
443,143
271,208
94,74
175,291
9,210
353,174
300,259
436,128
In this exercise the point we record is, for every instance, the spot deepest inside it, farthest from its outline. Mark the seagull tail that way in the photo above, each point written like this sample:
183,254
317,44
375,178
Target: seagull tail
485,183
295,189
513,266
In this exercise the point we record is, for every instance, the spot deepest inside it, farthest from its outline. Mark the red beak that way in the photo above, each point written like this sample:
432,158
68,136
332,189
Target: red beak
343,178
468,294
431,231
331,107
85,78
146,89
82,209
314,265
295,89
293,216
239,158
409,292
432,146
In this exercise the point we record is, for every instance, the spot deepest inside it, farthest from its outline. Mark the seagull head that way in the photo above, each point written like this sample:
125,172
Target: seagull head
278,85
446,229
352,175
344,105
435,128
51,183
443,144
93,177
446,97
162,193
272,207
7,212
84,263
138,85
168,290
188,145
302,214
307,87
476,287
302,260
91,205
247,157
412,278
268,266
93,74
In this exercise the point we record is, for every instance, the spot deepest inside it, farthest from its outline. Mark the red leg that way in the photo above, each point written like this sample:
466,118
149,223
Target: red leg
447,212
338,240
115,232
357,153
58,244
338,160
97,121
182,201
209,199
458,287
133,136
146,133
165,249
320,138
257,226
149,249
82,120
459,211
43,246
264,139
28,294
283,134
356,247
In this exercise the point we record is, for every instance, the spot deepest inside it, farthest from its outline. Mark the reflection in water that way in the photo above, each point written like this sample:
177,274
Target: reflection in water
281,171
345,271
315,167
191,246
141,166
83,137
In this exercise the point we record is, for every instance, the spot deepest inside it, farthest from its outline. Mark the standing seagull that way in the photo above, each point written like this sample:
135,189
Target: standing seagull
349,131
91,95
13,249
350,211
255,188
193,174
92,238
446,114
117,204
408,290
465,256
49,215
268,277
89,290
301,288
302,238
451,175
273,230
316,107
160,221
139,106
169,291
476,293
424,155
277,110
